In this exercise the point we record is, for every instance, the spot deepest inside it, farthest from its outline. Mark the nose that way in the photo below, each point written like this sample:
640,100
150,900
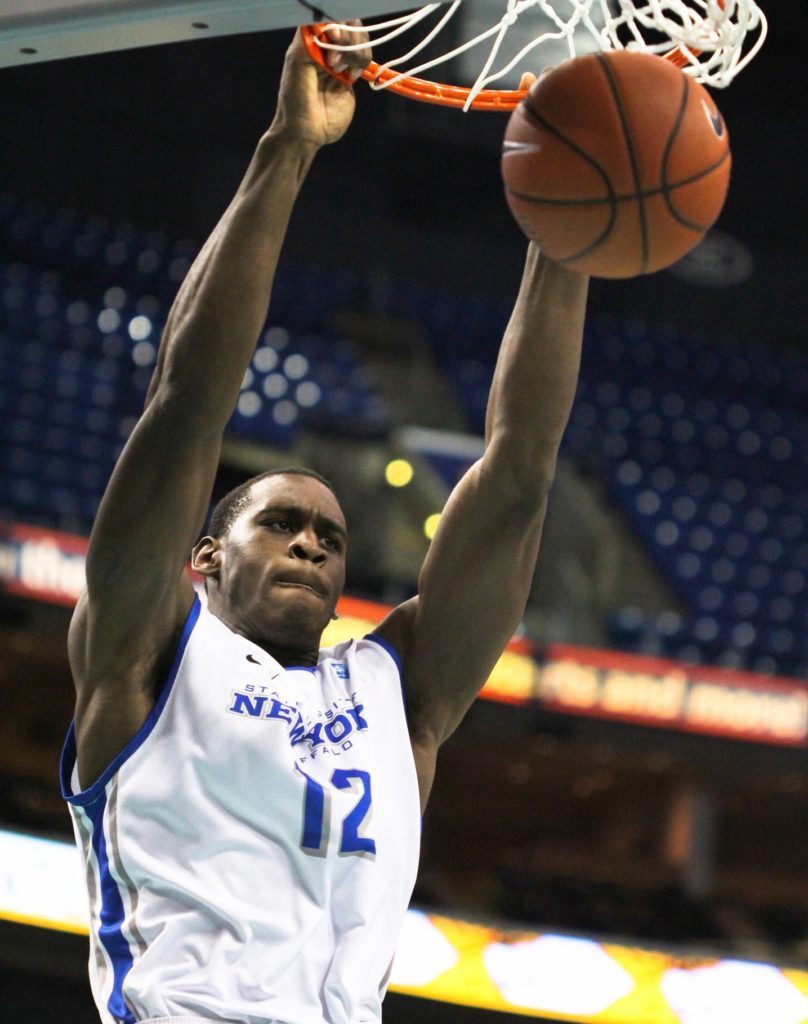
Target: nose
306,547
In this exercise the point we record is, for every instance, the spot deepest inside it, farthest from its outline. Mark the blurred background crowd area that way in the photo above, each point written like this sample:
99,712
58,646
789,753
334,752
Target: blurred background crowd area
696,441
677,527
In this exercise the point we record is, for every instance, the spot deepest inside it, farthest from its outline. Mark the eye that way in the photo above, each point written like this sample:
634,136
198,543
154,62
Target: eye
330,542
280,524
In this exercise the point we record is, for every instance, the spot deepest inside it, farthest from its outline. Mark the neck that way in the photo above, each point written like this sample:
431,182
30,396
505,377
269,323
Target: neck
305,653
287,657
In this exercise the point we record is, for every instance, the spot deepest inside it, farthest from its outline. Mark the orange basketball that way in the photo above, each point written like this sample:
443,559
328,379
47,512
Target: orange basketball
616,163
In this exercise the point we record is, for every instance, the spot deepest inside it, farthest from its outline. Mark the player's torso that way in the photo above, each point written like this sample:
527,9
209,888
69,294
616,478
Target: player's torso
263,836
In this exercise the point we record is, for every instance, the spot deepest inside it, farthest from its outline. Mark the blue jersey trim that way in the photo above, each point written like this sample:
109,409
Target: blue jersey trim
111,918
391,651
68,759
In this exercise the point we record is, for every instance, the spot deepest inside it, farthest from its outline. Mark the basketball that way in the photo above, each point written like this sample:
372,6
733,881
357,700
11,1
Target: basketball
616,163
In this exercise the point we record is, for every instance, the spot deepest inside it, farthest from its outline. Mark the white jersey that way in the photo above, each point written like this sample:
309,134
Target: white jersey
250,854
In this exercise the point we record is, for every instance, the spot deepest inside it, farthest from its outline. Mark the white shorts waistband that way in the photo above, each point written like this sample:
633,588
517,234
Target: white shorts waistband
182,1020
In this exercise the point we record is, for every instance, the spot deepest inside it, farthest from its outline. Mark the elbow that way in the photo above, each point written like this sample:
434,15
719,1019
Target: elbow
181,413
522,474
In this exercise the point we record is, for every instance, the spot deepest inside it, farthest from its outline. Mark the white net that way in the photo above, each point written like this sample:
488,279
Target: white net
711,39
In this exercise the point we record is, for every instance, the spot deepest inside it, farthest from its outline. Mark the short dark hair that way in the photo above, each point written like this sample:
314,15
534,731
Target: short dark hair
229,508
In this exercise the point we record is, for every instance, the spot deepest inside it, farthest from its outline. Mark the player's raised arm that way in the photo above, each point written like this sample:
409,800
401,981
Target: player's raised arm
475,580
126,624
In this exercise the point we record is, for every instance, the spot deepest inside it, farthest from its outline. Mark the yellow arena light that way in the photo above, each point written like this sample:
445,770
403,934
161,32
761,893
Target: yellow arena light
431,525
398,473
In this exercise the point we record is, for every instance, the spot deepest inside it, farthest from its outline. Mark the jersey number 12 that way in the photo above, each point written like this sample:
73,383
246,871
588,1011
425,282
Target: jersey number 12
314,813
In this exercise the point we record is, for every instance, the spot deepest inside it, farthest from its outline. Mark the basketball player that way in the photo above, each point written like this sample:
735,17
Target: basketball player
248,805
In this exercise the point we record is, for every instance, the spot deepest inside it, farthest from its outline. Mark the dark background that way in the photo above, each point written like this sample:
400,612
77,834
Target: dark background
160,137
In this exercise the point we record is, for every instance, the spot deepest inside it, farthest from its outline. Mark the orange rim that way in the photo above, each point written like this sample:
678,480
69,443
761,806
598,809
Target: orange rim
418,88
435,92
677,57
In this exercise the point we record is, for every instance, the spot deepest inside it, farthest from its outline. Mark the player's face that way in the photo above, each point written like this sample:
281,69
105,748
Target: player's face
283,565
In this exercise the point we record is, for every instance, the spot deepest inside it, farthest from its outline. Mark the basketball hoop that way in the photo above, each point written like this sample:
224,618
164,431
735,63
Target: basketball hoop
706,38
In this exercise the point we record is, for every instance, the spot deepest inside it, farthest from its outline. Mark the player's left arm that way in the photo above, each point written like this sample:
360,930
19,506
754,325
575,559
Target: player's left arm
475,581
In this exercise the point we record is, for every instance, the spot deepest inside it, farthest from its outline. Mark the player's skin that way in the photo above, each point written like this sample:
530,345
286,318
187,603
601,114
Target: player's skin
275,577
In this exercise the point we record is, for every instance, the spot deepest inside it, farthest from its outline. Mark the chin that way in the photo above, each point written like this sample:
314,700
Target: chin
296,623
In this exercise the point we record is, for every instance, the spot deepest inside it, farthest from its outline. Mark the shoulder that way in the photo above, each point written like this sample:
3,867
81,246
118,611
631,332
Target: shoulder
127,661
379,647
395,632
371,653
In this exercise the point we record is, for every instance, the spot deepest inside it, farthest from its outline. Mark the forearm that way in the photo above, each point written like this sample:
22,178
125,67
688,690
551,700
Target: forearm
537,370
219,311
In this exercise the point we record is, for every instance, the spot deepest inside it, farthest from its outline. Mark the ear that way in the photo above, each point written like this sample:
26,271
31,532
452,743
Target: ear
206,557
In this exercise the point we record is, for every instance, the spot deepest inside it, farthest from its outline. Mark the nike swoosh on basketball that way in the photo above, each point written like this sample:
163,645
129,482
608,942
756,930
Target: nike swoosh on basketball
716,120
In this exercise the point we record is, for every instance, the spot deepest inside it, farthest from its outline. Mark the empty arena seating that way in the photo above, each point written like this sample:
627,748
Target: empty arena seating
703,442
78,347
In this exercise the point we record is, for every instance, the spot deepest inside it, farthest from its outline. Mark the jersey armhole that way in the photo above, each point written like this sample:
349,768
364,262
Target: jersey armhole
68,759
394,656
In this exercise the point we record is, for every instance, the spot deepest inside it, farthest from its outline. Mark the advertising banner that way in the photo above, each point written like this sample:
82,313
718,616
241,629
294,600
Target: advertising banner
47,565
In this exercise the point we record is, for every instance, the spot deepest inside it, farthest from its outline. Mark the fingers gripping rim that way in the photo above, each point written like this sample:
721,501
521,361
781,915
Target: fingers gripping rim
415,88
309,35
